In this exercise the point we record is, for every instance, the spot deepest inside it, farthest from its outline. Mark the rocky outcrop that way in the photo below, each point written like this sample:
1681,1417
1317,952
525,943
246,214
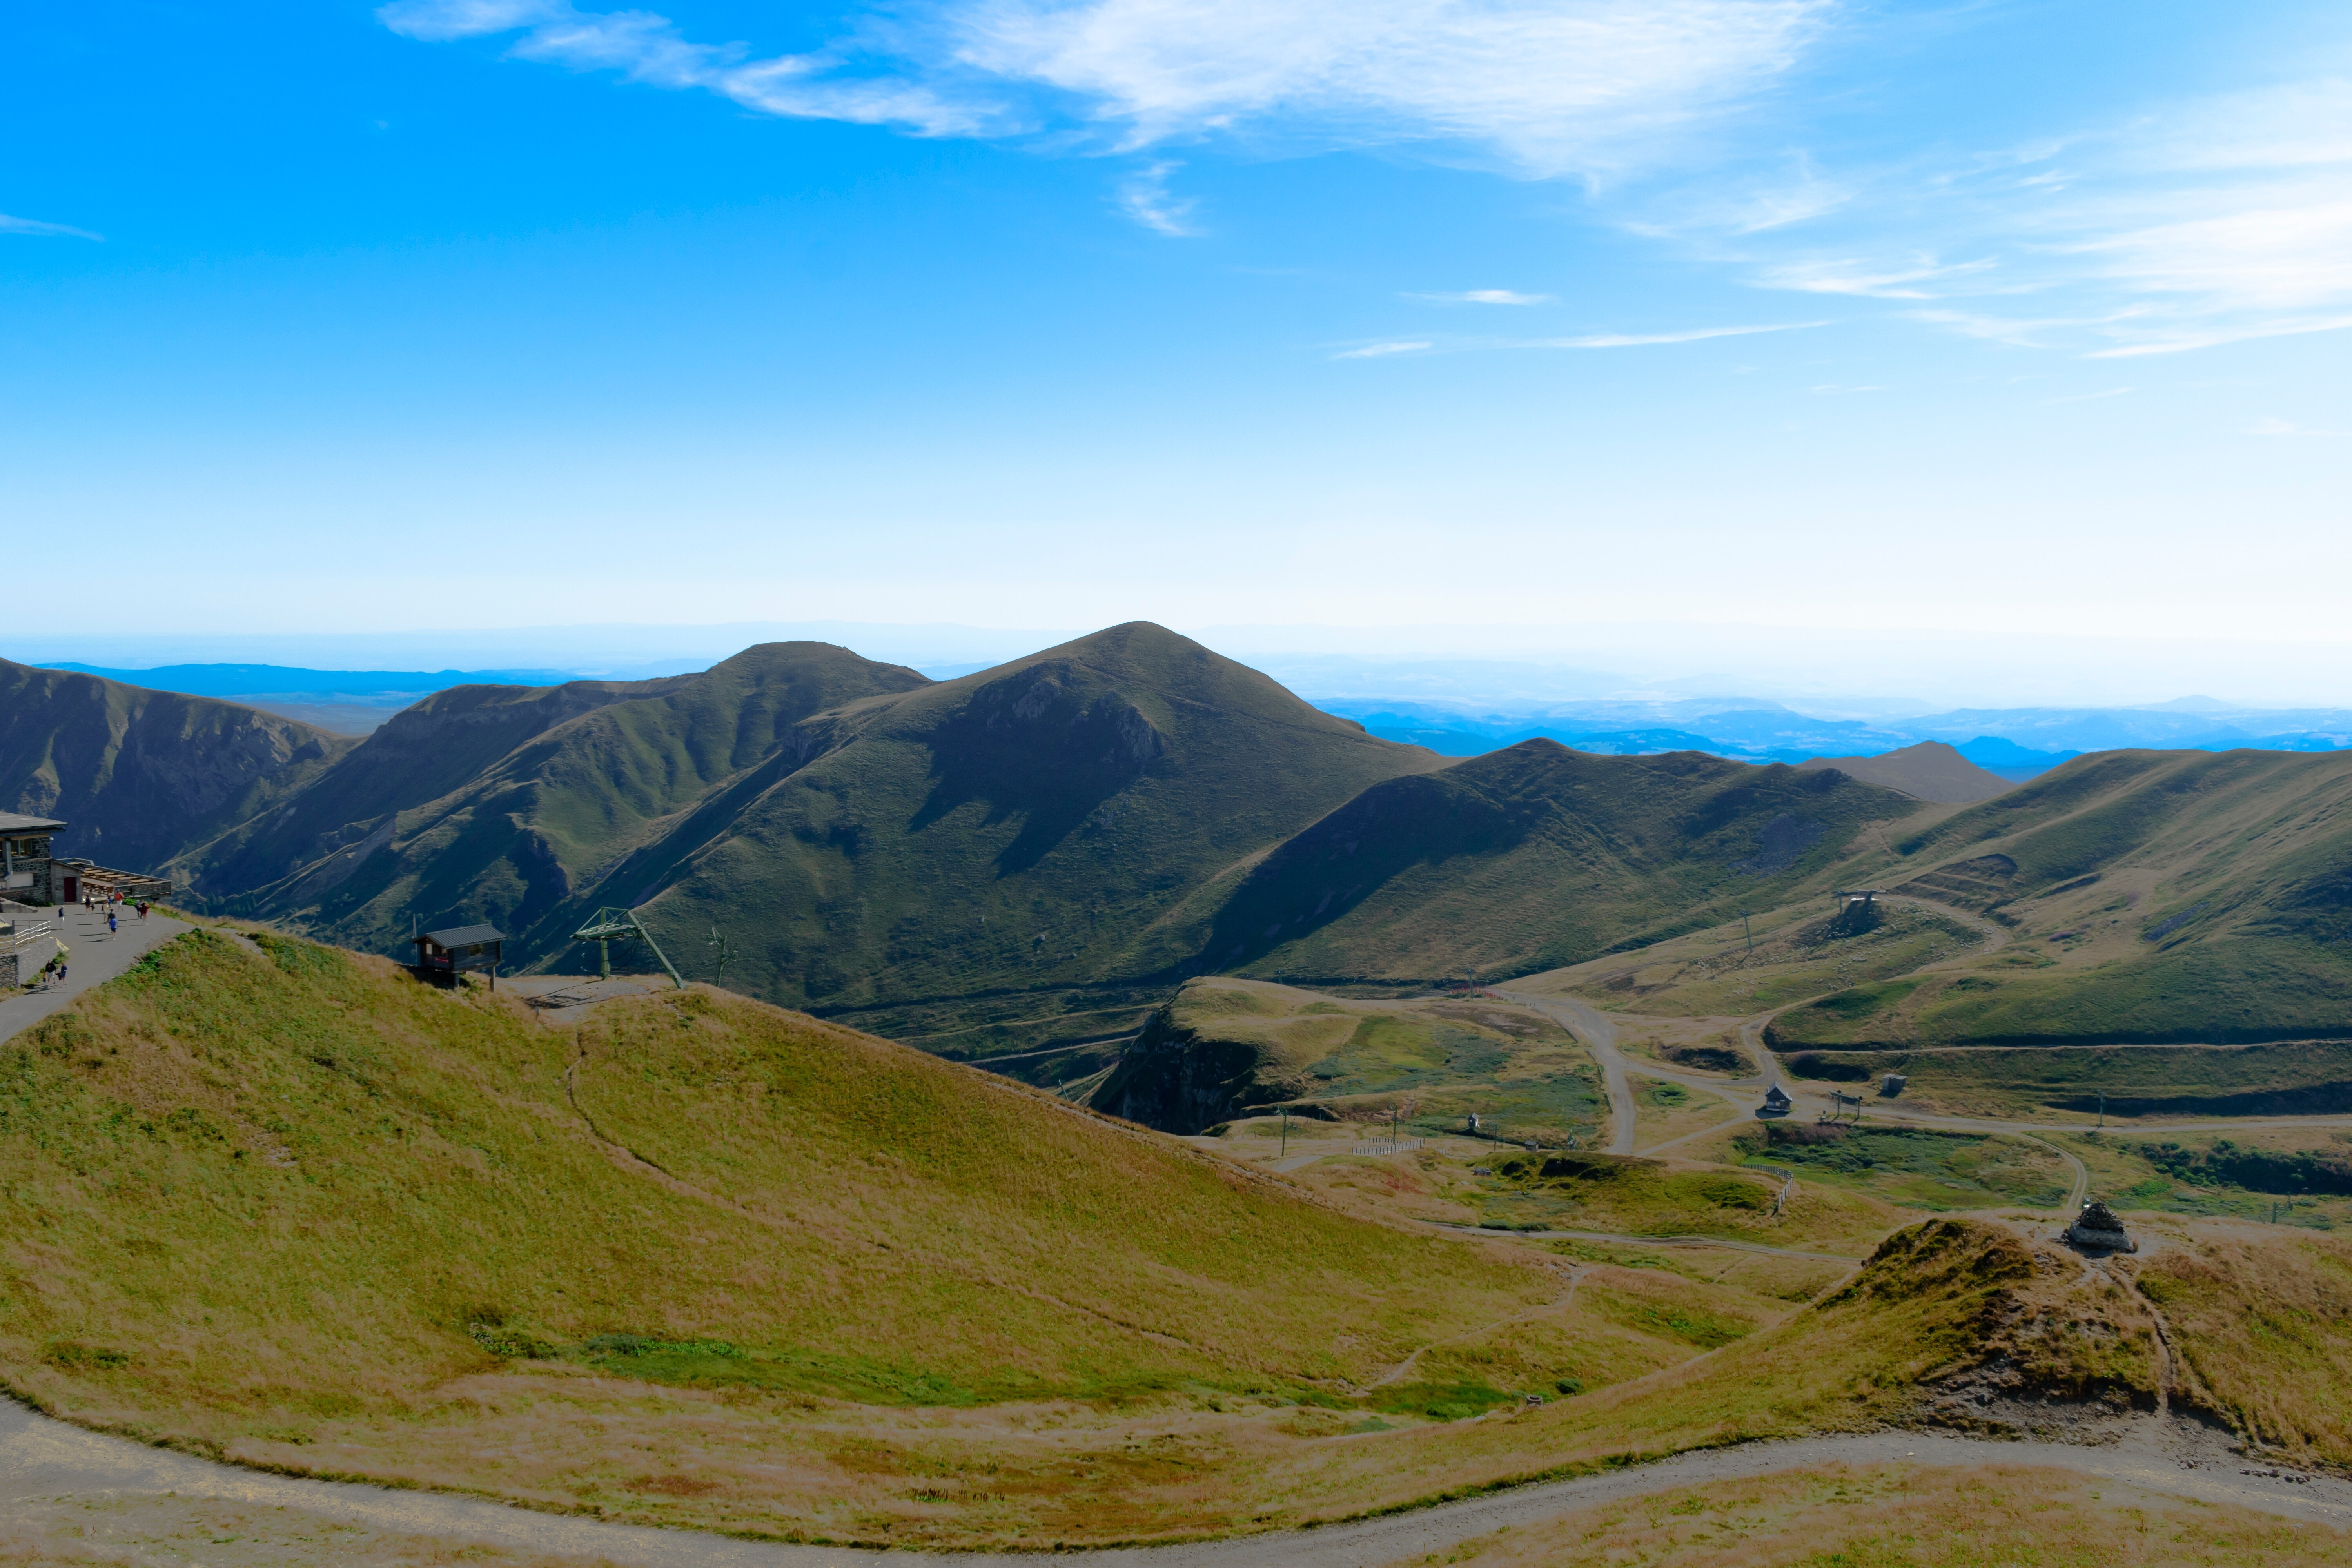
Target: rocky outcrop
1170,1078
2098,1230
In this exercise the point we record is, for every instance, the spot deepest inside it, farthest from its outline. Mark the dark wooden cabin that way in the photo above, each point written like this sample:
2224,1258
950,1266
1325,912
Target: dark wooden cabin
446,954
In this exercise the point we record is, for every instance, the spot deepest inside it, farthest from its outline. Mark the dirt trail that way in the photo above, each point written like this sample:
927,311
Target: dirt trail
1619,1236
45,1458
1403,1369
1599,1037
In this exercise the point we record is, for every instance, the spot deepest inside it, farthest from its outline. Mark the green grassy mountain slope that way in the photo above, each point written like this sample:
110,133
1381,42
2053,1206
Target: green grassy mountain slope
2154,897
278,1202
1533,857
1221,1047
1051,836
139,774
505,803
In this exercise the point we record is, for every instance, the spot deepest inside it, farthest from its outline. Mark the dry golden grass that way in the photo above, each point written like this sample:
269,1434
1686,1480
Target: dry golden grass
1795,1280
151,1530
2261,1322
1664,1111
1422,1184
1905,1516
1670,1196
298,1211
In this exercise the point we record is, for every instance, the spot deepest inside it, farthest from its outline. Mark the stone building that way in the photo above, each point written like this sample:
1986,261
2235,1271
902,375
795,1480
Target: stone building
27,873
31,873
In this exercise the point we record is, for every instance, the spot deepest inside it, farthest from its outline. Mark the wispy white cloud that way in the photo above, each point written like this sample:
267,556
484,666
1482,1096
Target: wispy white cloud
1486,296
2197,225
1144,197
2279,427
1545,87
1642,339
1590,341
1920,279
34,225
646,48
1538,87
2088,396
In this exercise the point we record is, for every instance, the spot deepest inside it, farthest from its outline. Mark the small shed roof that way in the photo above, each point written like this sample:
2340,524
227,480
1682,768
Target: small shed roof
462,936
1775,1096
13,822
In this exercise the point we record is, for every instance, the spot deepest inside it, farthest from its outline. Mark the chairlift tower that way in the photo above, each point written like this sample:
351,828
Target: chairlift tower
609,925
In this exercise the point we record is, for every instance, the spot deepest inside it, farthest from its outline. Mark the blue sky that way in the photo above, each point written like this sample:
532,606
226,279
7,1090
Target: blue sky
1992,318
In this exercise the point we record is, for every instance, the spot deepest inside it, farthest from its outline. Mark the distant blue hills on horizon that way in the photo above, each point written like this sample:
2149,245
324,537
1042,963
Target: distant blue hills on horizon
2017,743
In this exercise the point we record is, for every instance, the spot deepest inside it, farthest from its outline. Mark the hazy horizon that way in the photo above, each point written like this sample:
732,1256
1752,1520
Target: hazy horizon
1823,672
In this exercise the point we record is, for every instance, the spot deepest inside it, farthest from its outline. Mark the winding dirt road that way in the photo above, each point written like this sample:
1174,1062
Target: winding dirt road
41,1458
1599,1037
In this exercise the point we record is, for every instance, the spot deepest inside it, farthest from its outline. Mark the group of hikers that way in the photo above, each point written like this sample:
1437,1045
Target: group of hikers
54,972
89,903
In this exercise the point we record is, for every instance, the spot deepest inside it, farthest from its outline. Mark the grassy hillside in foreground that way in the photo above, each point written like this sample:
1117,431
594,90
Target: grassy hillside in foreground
2262,1323
2158,897
1222,1046
1533,857
251,1200
704,1263
139,775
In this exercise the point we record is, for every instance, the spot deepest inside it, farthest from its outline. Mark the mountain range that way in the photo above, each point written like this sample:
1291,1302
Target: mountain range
1024,860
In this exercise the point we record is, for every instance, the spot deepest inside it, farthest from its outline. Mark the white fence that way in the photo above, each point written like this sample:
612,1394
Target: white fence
18,935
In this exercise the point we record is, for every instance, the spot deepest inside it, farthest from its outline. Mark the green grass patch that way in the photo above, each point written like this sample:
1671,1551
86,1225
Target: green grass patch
1438,1400
1918,1167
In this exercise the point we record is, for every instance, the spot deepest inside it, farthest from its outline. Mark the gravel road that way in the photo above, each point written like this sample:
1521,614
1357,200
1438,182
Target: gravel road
1600,1036
43,1458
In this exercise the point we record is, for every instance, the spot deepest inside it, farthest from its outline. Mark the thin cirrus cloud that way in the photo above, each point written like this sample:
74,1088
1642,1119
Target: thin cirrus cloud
2199,224
649,49
1643,340
1539,88
9,224
1486,296
1144,197
1545,88
1591,340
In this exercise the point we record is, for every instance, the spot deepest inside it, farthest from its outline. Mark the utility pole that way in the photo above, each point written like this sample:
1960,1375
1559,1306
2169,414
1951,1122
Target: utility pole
722,950
1285,1134
2103,1108
1745,931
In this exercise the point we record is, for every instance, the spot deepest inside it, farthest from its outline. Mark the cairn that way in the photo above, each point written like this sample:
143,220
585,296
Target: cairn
2098,1228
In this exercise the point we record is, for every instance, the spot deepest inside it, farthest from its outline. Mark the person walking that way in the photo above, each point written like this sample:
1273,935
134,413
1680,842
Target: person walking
109,922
